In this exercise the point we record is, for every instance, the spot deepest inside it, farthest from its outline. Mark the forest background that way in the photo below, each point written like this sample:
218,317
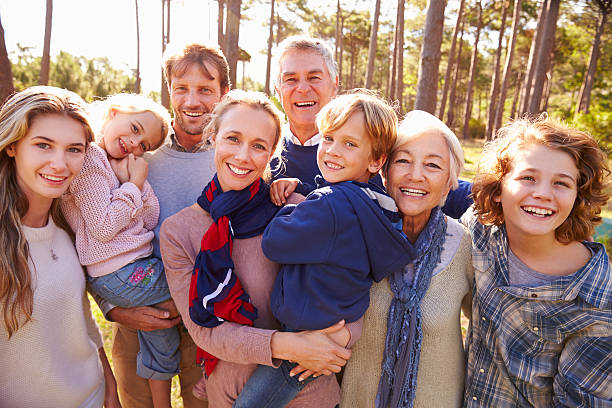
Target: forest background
473,63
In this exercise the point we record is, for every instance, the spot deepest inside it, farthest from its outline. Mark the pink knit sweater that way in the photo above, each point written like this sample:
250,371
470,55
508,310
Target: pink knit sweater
112,222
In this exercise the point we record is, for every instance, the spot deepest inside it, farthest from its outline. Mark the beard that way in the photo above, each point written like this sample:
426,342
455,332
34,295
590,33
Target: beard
192,129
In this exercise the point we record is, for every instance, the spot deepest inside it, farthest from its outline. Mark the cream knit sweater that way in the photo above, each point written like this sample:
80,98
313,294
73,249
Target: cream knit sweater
53,361
442,364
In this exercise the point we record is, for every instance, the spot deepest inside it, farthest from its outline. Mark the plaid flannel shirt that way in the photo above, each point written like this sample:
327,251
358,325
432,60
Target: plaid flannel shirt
544,346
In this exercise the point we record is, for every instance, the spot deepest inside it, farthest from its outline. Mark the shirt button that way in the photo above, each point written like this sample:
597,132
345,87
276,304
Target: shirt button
483,319
475,399
534,295
535,329
482,370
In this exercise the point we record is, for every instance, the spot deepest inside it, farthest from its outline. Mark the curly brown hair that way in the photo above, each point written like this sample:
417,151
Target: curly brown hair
496,162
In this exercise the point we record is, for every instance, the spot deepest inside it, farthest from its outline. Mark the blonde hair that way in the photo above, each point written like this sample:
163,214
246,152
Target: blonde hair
129,103
591,162
380,118
16,117
254,100
417,123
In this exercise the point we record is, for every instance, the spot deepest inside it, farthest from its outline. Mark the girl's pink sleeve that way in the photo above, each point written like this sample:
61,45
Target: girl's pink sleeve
150,207
105,211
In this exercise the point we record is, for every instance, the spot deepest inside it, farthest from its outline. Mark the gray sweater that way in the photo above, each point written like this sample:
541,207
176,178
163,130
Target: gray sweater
178,179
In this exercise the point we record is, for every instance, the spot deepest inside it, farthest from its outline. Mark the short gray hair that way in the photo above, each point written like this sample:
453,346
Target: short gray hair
417,122
303,43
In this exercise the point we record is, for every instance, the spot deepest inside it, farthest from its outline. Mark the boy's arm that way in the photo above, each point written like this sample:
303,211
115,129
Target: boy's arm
301,234
584,373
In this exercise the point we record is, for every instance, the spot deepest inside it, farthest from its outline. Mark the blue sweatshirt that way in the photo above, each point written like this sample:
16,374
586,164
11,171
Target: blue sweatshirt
332,246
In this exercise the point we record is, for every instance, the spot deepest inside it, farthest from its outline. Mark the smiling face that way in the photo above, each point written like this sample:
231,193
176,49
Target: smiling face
304,86
194,95
125,133
538,193
346,153
244,145
418,177
48,158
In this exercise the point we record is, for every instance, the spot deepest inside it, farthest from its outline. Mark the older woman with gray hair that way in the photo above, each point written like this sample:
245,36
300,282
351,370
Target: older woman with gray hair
411,352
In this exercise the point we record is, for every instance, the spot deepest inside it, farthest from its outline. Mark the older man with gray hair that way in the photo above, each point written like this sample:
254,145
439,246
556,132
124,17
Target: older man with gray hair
307,80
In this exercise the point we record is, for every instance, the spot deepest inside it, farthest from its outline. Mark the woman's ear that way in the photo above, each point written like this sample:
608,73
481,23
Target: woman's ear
10,149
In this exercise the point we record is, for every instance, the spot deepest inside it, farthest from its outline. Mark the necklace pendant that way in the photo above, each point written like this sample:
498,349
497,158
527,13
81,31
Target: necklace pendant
53,255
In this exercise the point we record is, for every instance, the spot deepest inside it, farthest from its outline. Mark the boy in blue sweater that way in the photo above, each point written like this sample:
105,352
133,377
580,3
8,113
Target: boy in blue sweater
337,242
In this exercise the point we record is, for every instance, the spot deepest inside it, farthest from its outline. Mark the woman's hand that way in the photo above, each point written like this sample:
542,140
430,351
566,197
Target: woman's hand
313,350
341,337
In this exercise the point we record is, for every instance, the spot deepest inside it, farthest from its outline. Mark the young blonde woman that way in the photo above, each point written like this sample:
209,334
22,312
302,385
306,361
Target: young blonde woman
51,352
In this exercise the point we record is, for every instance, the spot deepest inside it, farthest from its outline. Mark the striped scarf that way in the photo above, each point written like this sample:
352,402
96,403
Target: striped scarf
215,293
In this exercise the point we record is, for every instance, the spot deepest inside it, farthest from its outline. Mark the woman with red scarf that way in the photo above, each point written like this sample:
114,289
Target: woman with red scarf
218,276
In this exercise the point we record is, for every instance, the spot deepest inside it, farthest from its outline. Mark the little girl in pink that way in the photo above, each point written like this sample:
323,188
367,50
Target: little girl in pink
112,210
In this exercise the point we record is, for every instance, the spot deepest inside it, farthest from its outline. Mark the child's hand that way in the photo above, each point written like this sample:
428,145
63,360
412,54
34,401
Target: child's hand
138,169
120,168
281,189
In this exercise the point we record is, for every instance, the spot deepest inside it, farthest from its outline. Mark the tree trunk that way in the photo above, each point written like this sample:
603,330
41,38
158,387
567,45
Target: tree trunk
137,86
338,34
499,111
372,47
46,58
452,98
584,97
517,91
270,41
393,70
232,32
533,56
451,61
495,80
165,96
544,56
220,34
341,53
352,68
547,88
6,74
399,81
470,89
427,85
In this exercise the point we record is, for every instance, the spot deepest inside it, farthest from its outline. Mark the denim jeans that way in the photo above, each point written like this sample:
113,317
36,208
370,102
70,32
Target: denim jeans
143,283
271,387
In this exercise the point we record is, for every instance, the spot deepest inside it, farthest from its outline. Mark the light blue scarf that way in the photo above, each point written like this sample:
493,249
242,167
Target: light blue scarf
404,334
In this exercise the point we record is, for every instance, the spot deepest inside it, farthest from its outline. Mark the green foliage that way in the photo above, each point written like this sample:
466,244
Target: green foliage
91,78
477,128
598,122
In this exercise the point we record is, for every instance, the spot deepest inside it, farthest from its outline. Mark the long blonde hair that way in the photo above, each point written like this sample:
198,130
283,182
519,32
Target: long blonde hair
16,116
